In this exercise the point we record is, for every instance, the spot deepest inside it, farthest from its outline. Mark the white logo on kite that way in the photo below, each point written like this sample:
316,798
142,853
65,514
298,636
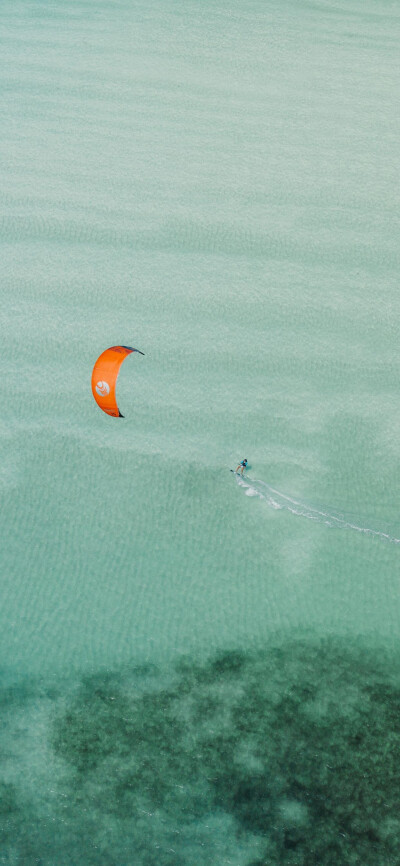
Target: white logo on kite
102,389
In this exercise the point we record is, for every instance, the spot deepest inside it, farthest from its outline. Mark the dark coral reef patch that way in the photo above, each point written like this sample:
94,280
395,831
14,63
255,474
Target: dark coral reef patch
287,756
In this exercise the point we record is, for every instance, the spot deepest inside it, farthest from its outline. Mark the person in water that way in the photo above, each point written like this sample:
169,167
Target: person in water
242,465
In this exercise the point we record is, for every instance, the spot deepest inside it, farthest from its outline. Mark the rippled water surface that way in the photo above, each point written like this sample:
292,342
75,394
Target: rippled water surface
213,674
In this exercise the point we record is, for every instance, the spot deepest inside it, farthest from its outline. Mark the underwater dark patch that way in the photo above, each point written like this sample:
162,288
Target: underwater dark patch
289,756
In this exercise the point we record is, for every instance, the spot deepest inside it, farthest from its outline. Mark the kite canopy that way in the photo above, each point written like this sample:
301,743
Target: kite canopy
104,377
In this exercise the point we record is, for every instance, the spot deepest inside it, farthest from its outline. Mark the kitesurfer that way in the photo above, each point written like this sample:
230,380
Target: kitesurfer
242,465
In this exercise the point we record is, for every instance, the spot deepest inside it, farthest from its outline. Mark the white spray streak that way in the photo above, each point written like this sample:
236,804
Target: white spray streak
276,499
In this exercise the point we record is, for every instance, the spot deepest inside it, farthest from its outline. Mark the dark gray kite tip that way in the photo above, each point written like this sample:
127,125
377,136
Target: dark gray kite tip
131,349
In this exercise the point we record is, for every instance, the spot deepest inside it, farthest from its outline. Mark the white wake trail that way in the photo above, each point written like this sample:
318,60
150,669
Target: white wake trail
275,499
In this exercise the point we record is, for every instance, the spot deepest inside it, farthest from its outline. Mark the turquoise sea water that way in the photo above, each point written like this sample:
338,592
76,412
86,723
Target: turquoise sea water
199,669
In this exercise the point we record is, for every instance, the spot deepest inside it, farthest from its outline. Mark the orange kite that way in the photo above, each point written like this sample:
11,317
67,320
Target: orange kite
104,378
